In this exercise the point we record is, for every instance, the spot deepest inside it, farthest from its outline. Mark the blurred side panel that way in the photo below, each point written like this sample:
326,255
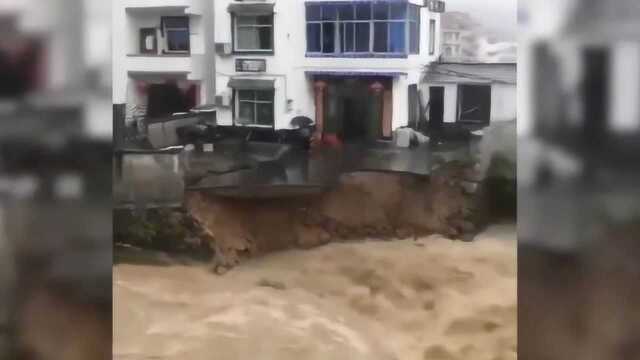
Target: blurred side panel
578,164
55,180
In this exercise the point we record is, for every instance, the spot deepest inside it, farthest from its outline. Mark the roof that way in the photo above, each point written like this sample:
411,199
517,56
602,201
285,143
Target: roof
354,73
472,72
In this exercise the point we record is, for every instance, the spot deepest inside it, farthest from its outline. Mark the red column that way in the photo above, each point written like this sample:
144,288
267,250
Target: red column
387,113
320,88
377,89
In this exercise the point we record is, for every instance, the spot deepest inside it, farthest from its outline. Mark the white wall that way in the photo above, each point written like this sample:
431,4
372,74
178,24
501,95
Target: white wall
624,97
504,102
126,24
288,64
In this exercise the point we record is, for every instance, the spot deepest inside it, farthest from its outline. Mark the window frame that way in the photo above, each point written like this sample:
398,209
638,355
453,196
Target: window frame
234,32
165,33
340,32
143,34
432,37
418,23
255,103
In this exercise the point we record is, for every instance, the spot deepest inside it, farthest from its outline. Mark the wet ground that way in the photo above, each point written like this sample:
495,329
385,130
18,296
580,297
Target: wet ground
427,299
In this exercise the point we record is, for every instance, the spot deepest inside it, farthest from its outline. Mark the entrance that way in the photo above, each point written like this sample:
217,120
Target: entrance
436,107
595,93
354,111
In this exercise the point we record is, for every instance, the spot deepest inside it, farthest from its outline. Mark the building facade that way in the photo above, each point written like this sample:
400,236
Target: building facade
161,61
459,37
350,67
324,60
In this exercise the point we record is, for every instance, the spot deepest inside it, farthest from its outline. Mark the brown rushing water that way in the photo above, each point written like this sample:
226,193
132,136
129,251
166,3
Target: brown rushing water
431,299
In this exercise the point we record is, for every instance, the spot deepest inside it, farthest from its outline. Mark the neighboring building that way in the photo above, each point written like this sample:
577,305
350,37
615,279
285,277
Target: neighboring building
459,36
162,57
580,87
470,95
583,71
465,40
353,68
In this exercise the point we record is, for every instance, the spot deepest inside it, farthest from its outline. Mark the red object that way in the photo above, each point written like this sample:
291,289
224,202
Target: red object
332,140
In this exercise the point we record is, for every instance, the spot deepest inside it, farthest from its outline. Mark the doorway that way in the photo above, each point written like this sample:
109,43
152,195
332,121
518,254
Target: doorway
436,107
474,104
414,106
352,112
595,93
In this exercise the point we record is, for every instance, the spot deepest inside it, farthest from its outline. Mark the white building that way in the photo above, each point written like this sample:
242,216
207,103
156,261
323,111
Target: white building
459,36
278,60
473,95
324,60
161,61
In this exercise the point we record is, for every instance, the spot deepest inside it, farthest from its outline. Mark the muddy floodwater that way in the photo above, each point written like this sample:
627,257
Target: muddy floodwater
429,299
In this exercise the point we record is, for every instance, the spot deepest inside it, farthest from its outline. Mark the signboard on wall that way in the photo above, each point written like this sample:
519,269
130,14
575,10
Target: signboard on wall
251,65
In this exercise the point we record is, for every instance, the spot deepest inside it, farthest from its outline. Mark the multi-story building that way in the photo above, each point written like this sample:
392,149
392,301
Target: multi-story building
162,56
459,37
277,60
351,67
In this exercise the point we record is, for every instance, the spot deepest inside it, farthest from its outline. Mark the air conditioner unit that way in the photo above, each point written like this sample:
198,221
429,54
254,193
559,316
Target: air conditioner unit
223,48
223,99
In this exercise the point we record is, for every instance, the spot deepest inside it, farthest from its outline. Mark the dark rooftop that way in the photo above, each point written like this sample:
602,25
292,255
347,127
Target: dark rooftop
472,72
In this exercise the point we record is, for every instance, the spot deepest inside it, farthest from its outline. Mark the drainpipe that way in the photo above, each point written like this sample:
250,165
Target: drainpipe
208,22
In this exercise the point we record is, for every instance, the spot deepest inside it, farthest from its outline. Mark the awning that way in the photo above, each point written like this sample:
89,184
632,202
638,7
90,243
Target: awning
251,84
354,73
253,9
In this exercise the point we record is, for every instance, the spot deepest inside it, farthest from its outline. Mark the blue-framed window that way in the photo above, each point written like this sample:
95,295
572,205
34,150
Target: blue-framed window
363,28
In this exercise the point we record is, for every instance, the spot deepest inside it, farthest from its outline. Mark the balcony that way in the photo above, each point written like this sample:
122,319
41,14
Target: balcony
188,7
189,65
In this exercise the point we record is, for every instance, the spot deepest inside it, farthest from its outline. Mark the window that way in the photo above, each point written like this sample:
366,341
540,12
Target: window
254,107
253,33
414,29
176,33
148,41
432,37
363,28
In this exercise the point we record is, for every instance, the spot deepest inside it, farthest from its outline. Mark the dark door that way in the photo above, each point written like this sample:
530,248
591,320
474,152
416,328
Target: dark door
414,107
436,107
595,92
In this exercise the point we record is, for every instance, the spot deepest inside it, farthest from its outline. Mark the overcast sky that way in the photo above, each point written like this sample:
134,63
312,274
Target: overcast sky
495,14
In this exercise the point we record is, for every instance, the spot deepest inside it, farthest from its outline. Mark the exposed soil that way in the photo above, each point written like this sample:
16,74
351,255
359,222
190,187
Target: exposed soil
364,205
